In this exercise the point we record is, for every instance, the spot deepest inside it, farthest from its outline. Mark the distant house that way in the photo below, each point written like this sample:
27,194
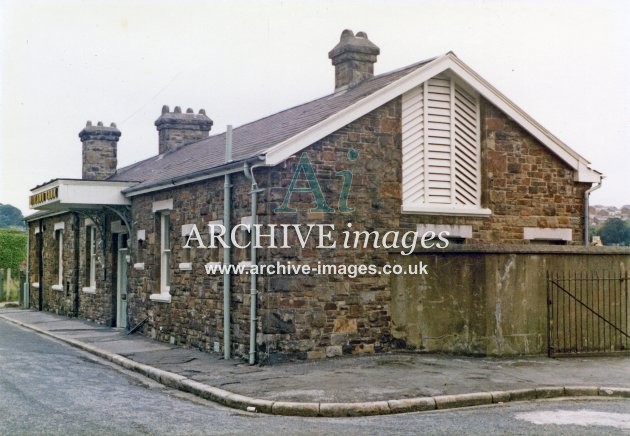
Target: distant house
431,148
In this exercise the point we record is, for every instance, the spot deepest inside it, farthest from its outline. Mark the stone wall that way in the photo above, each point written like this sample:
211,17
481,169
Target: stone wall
524,184
315,316
98,306
195,314
486,300
72,300
60,301
328,315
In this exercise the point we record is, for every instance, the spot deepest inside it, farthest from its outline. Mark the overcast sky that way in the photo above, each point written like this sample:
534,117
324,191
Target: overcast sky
566,63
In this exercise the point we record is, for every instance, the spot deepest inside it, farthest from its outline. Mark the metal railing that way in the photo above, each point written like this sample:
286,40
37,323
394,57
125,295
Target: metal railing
587,313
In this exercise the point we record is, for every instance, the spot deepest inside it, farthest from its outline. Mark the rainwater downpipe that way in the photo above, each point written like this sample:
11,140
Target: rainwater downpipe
586,206
227,211
40,266
26,292
253,293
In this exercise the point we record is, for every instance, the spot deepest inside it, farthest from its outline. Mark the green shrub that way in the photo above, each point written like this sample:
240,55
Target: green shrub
12,249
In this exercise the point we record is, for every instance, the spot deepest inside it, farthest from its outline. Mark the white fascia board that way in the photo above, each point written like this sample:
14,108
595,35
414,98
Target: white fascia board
587,175
449,61
280,152
82,193
563,151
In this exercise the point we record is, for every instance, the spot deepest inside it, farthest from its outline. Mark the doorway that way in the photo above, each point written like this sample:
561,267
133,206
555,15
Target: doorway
122,260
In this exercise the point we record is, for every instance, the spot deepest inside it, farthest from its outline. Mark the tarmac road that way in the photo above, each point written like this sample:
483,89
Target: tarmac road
50,388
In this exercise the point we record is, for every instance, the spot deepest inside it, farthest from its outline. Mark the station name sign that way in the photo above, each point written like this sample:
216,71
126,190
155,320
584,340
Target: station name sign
44,196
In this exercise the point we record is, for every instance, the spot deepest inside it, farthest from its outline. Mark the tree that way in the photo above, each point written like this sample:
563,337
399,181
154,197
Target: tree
10,216
615,231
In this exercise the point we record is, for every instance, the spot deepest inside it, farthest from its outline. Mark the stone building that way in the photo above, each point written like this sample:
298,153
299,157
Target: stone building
388,168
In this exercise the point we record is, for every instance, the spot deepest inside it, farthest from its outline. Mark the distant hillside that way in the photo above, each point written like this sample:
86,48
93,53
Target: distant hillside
11,217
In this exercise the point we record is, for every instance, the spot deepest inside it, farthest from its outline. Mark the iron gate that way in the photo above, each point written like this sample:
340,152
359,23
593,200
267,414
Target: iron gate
587,313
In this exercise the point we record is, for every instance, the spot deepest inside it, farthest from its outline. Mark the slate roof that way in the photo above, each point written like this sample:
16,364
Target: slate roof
252,139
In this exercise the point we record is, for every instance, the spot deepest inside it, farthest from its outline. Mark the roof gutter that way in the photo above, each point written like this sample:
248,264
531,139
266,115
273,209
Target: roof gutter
208,173
37,216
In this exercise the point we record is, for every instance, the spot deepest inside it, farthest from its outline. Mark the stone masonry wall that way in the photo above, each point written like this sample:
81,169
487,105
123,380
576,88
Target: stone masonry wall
195,314
97,306
328,315
59,301
493,301
316,316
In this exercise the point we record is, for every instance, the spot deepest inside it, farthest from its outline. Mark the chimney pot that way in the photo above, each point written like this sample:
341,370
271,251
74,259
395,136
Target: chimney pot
165,109
354,58
178,110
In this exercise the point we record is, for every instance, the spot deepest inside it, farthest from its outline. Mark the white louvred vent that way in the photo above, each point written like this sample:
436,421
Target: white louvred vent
413,146
466,148
440,144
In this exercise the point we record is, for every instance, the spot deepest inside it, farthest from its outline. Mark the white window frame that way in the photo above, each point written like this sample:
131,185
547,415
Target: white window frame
90,262
417,143
59,238
163,208
165,252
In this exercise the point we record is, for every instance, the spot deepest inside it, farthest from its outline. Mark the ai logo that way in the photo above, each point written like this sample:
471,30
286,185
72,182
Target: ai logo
304,166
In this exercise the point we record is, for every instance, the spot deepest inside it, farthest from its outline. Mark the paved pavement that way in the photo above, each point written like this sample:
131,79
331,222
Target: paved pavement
346,386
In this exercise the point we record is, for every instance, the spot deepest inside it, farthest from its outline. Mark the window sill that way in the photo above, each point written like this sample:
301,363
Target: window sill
445,209
57,287
246,265
160,298
89,290
35,285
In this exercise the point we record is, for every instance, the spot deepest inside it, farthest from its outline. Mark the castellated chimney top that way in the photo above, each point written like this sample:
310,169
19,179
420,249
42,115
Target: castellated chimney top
100,145
176,129
354,58
99,132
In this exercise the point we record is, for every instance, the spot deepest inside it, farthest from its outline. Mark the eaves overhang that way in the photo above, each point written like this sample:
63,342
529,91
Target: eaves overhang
231,167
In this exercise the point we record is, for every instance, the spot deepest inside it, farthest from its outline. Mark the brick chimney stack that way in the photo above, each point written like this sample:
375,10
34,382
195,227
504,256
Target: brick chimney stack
354,58
99,150
177,129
